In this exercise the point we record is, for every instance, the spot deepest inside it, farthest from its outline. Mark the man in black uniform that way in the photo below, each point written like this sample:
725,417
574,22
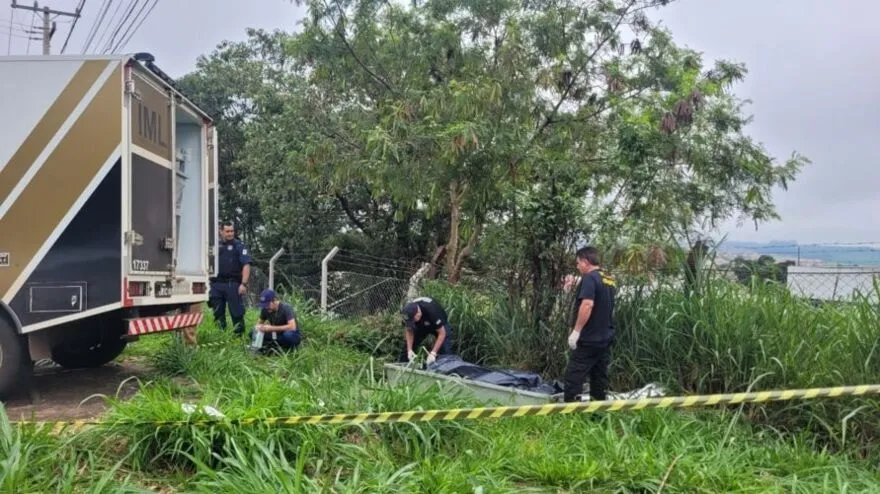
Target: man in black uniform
230,284
593,332
422,317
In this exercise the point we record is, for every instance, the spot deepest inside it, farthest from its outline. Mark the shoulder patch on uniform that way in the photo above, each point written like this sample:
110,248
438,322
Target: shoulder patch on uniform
607,279
244,251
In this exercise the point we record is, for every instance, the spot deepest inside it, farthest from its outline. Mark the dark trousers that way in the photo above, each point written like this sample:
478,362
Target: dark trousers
286,340
289,339
588,360
419,337
225,293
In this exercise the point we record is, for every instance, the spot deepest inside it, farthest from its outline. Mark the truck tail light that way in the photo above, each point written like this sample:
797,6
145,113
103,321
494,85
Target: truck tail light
199,288
137,288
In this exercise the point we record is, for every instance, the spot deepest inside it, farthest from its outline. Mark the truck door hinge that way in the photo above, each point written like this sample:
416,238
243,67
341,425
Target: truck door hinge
134,238
166,243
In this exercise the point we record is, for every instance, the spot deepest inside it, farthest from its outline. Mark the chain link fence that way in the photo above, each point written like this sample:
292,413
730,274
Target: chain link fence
358,285
352,294
834,284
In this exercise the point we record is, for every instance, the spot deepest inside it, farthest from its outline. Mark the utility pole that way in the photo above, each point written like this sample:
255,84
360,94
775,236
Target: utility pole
48,24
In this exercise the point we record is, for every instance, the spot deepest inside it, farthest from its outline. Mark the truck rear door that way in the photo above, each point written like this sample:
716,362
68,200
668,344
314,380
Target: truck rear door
151,188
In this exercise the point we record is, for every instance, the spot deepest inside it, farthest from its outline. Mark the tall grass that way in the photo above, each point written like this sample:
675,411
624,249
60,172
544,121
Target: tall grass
729,337
648,451
726,337
334,371
32,460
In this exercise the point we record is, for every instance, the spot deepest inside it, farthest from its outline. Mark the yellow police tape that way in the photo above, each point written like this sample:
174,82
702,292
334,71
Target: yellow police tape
498,412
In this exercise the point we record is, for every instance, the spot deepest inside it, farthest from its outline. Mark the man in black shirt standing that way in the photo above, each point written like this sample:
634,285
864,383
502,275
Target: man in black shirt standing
590,340
278,321
422,317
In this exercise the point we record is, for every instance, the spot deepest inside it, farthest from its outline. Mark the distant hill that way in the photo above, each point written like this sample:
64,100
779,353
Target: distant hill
810,254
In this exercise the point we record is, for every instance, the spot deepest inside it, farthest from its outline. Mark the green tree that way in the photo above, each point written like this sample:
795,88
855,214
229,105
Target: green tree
474,110
765,268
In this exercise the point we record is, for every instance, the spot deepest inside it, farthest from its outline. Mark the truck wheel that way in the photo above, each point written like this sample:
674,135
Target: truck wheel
15,362
89,351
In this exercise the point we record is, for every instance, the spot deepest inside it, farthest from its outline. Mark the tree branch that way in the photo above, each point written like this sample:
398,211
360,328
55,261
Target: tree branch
341,34
351,216
574,78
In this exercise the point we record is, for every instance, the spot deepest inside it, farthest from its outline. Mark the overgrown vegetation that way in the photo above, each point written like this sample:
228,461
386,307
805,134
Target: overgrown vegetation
712,451
490,137
726,337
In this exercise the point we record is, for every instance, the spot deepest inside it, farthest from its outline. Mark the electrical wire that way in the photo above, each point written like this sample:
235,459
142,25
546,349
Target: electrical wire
11,22
73,26
107,25
99,19
112,40
33,18
125,39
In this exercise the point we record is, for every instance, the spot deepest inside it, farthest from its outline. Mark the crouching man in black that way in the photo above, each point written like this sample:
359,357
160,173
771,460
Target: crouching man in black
422,317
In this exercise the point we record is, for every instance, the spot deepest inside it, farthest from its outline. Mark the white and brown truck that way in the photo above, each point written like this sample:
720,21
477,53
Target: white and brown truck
108,182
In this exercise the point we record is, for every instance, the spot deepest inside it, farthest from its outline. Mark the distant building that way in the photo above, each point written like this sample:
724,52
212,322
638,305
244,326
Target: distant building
833,283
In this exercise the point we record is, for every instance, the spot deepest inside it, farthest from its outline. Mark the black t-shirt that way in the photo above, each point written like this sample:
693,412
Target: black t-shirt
280,317
598,287
433,317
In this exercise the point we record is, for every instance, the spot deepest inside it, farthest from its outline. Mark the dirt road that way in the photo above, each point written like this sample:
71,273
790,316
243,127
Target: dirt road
58,394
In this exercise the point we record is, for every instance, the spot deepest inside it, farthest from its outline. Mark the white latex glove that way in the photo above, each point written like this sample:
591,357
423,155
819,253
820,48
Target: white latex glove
432,357
411,355
573,339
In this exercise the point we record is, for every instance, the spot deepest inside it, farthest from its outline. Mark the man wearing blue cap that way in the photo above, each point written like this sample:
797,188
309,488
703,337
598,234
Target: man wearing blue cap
422,317
278,321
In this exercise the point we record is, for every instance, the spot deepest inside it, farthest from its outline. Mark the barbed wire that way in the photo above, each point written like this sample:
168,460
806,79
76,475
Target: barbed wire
361,285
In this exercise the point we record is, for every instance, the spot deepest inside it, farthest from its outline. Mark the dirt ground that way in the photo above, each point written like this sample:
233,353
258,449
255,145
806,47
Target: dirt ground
58,394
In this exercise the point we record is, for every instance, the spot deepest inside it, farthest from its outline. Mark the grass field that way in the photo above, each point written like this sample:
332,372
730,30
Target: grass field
646,451
725,338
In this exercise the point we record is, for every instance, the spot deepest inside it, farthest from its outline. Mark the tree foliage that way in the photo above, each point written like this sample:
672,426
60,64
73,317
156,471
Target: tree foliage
495,133
764,268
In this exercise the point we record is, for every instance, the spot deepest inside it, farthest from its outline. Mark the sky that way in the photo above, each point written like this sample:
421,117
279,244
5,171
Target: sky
811,82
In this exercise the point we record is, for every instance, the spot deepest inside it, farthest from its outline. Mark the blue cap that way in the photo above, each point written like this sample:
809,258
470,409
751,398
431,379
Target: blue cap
267,297
409,314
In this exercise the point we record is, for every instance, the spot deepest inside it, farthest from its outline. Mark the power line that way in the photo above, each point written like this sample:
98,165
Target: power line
33,18
125,42
107,26
49,25
13,34
99,19
112,39
112,48
11,20
73,26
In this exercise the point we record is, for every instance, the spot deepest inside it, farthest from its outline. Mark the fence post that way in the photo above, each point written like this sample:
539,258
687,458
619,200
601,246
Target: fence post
413,289
324,263
272,267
